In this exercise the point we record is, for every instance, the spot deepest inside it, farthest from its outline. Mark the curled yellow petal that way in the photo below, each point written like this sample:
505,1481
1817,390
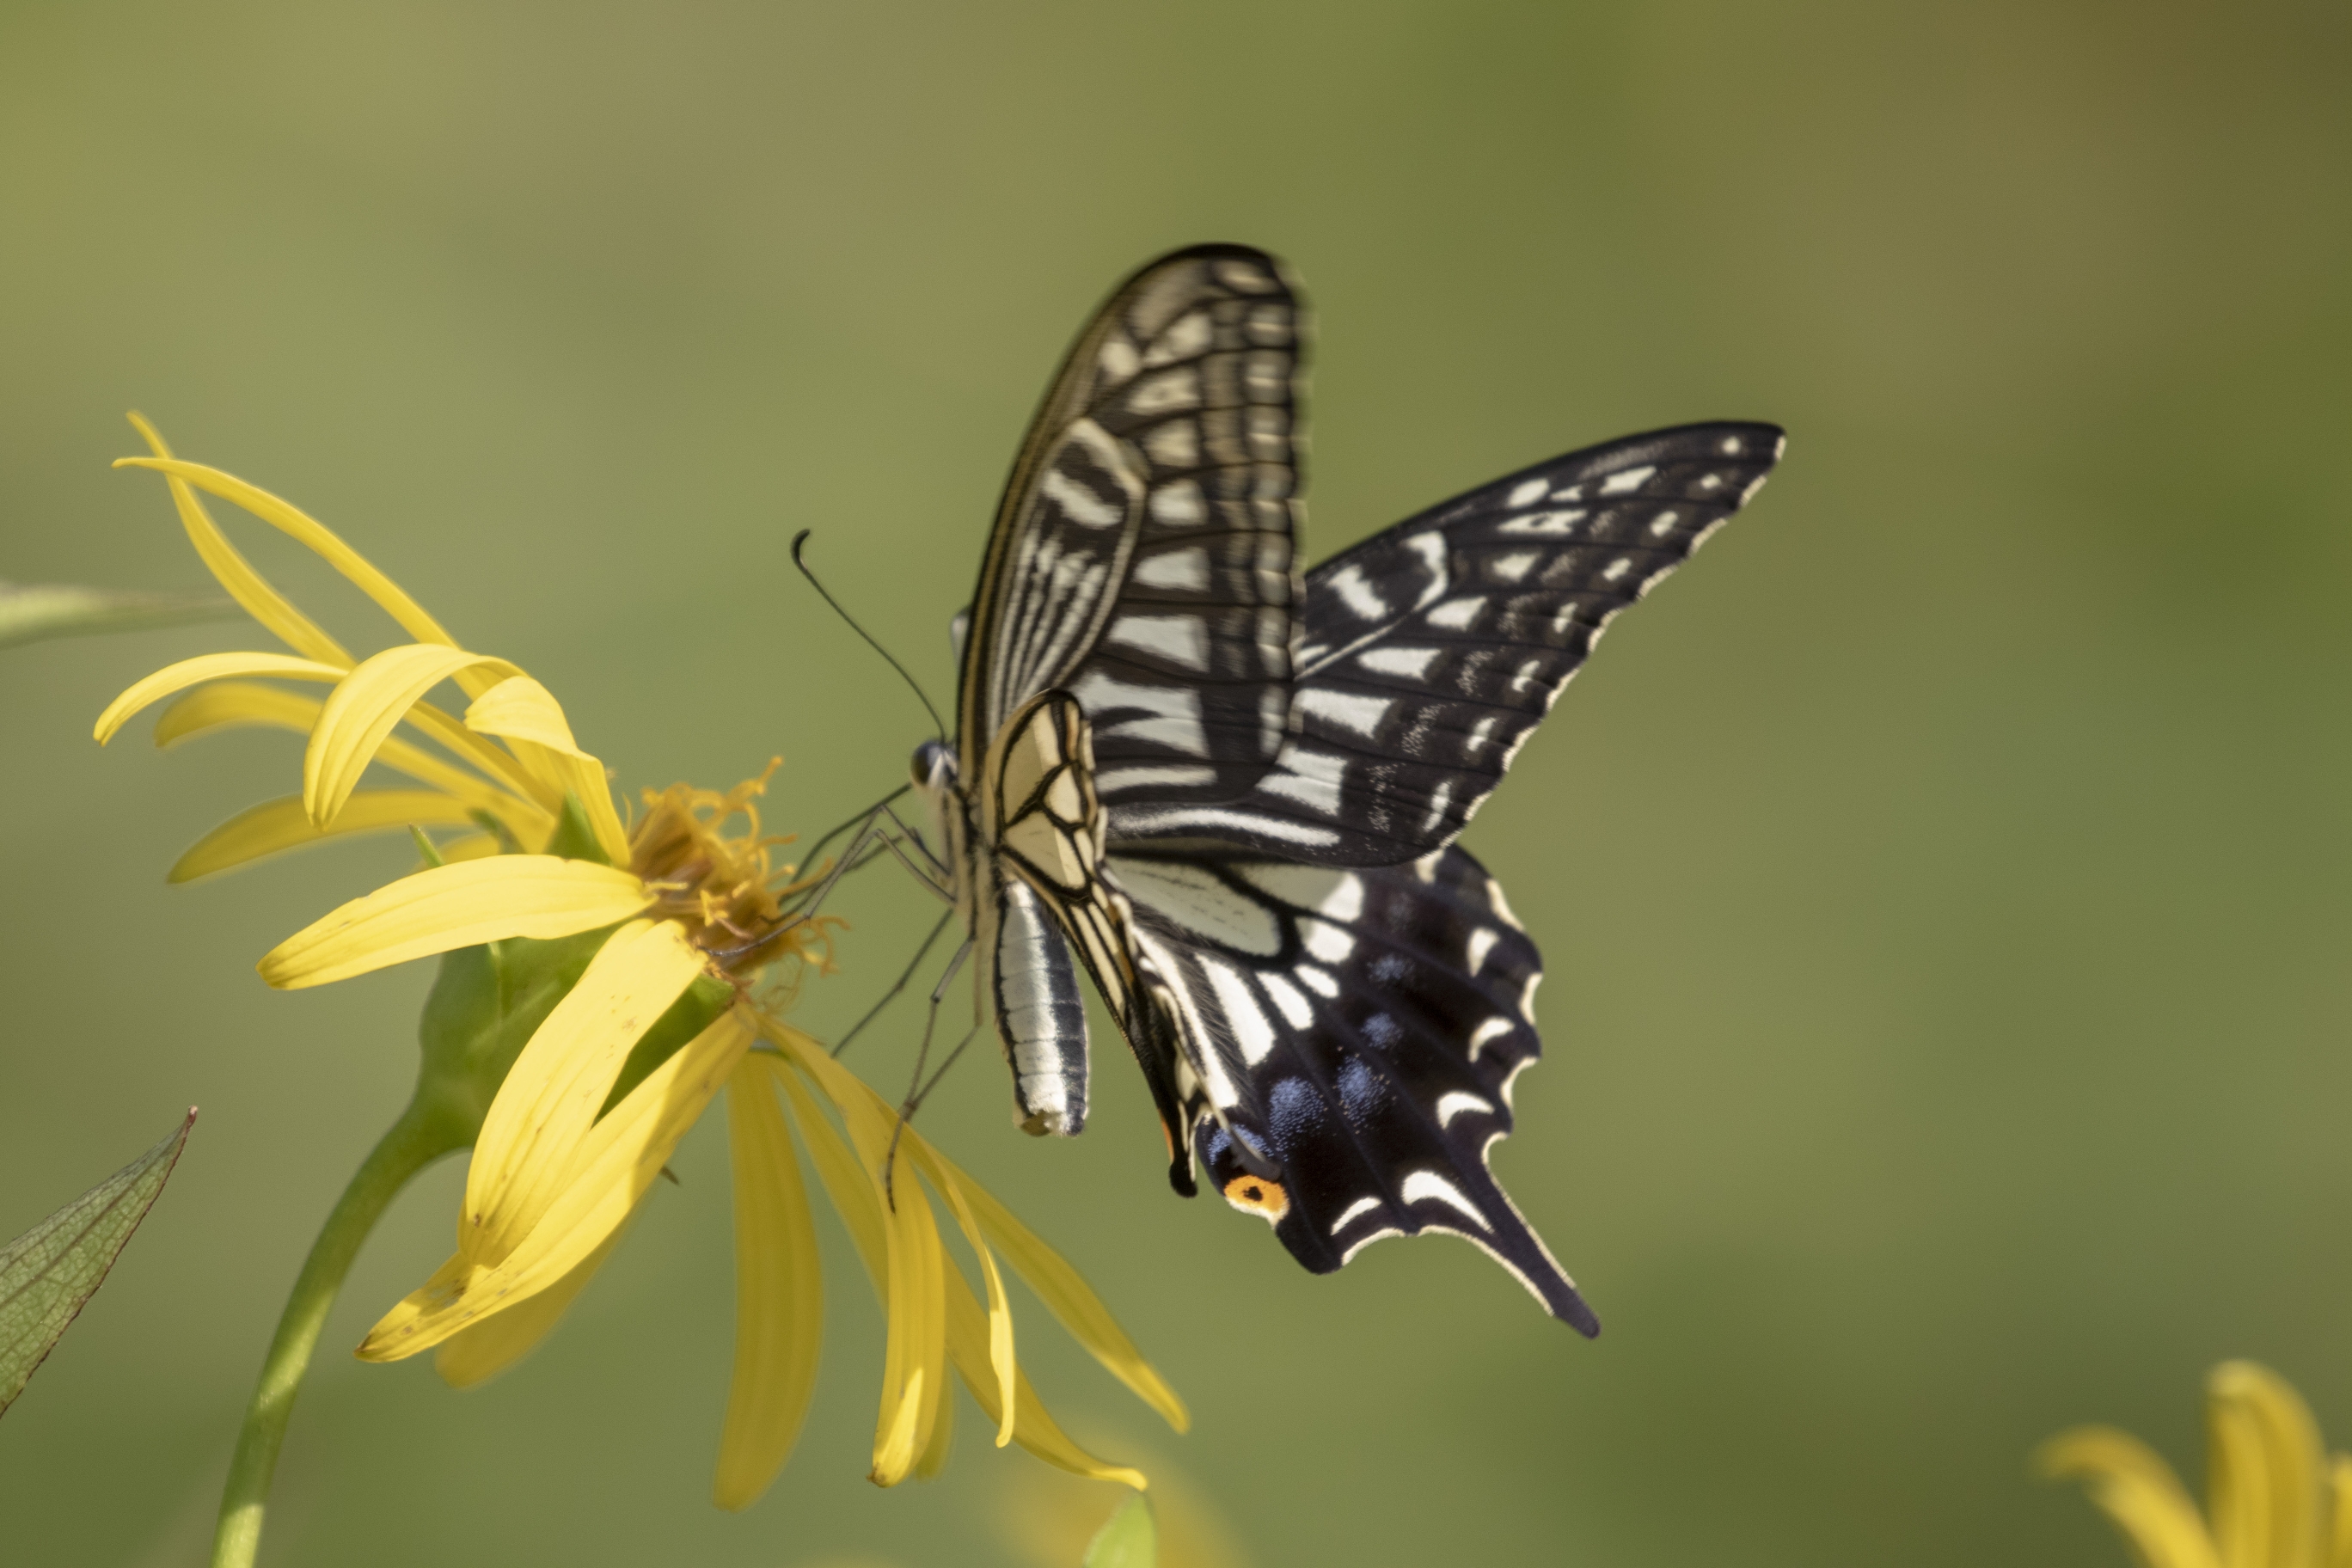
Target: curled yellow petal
363,709
234,573
2136,1489
2267,1467
1000,1311
1065,1295
205,667
519,707
315,536
779,1293
526,715
471,1357
620,1158
542,1113
282,824
239,704
967,1328
538,896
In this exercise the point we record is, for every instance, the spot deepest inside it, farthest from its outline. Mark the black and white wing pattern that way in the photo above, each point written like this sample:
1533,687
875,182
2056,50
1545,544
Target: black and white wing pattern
1364,1029
1141,559
1235,797
1431,650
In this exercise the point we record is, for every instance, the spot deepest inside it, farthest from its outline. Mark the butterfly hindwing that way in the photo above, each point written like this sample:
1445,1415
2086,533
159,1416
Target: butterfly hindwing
1431,650
1045,820
1142,556
1366,1029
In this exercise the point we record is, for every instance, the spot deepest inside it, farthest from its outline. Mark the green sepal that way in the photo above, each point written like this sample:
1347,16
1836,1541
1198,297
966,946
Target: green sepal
487,1002
696,1010
574,839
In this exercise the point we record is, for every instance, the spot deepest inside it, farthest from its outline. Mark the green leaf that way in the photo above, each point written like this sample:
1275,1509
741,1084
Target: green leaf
1127,1539
50,1271
30,612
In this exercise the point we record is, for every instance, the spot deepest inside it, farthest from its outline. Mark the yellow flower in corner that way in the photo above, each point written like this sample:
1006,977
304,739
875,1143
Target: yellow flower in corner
598,989
2275,1499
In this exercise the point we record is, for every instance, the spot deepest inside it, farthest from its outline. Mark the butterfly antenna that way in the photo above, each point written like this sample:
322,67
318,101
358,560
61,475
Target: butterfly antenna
912,684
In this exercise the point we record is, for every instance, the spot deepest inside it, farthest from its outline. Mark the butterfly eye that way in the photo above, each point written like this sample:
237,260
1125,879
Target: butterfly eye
1256,1194
935,766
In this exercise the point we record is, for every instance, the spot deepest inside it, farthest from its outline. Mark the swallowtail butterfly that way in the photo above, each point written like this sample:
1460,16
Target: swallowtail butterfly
1236,793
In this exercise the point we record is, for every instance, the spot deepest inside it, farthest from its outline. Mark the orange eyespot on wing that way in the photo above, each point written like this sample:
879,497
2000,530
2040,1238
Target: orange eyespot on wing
1256,1194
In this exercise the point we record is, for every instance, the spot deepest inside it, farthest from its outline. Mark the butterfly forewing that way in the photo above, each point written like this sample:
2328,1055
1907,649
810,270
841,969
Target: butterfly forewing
1234,800
1367,1027
1142,556
1430,651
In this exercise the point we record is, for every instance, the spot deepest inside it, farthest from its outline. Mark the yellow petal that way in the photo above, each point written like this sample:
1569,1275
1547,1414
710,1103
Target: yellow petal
2264,1491
967,1335
837,1168
207,666
238,704
1000,1311
2137,1490
620,1158
914,1273
247,586
365,709
1032,1427
1067,1296
2339,1513
519,707
526,715
474,1356
445,729
935,1453
542,1112
282,824
289,518
779,1293
472,846
538,896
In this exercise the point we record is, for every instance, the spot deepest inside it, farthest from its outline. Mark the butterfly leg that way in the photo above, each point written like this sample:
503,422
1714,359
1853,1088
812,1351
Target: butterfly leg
896,986
923,1058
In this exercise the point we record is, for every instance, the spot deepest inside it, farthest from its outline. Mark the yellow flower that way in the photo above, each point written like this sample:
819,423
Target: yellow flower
596,993
2274,1499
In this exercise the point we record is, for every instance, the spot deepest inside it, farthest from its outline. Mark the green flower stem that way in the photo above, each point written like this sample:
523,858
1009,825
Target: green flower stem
421,1136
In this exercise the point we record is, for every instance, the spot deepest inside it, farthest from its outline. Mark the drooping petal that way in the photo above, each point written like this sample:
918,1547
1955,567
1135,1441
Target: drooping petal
282,824
619,1159
523,1157
1067,1295
2137,1490
203,668
967,1337
365,709
779,1293
315,536
915,1355
240,704
934,1457
2264,1493
234,573
1000,1311
526,715
473,1356
538,896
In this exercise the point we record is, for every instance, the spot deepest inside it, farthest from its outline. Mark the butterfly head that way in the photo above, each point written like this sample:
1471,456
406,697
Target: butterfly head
935,767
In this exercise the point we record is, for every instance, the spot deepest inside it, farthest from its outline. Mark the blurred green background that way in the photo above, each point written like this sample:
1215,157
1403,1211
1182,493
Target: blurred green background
1943,882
